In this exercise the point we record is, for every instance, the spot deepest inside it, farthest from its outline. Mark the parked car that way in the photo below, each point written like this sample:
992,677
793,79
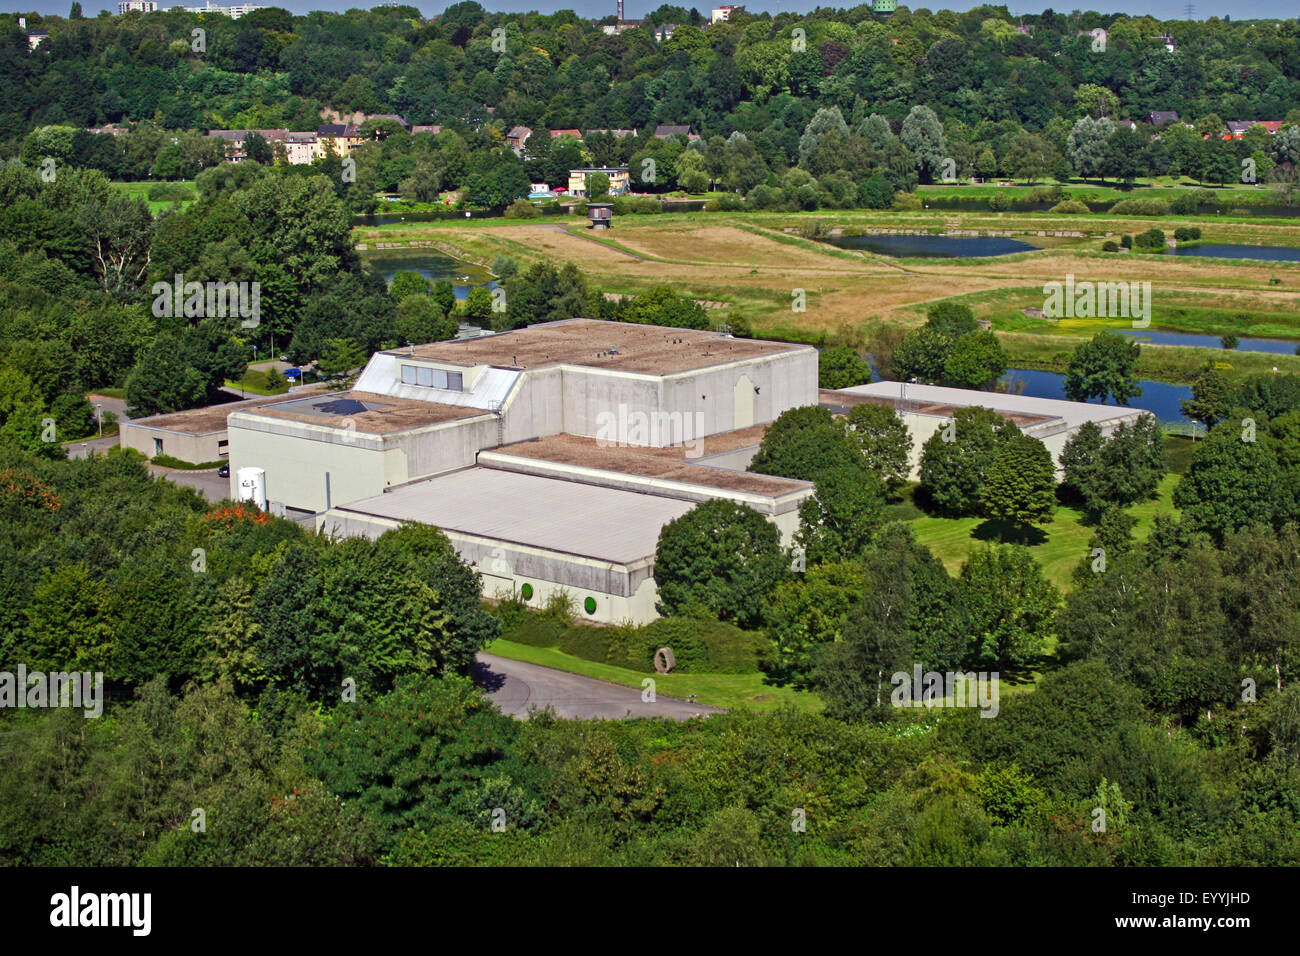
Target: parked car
223,471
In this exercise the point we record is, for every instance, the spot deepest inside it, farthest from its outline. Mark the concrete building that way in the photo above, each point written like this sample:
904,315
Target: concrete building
234,11
196,436
926,408
551,455
136,6
619,179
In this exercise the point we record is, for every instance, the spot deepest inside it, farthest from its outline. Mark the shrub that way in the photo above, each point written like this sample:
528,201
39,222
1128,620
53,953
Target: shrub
1070,206
999,202
522,209
1110,245
1151,239
1140,207
729,202
170,192
1045,194
1192,202
817,229
1126,241
907,202
766,197
1187,233
1229,341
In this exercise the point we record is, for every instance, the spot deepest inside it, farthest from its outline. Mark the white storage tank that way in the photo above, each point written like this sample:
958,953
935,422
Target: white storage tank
252,486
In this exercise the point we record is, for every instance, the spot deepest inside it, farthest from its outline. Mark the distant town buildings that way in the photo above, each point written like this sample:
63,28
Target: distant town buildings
619,179
34,37
234,11
136,6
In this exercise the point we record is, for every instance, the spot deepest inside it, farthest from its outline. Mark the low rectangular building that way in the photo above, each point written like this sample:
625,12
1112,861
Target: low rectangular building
925,409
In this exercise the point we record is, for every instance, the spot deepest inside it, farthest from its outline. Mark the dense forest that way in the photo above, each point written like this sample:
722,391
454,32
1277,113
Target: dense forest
278,697
230,735
839,96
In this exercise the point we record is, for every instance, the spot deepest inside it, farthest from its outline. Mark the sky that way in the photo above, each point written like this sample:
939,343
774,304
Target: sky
1163,9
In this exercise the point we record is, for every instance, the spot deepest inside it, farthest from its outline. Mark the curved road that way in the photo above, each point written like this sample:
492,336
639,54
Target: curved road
517,687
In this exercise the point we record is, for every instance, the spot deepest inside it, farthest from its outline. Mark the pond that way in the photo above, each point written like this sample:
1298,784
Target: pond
433,265
1159,398
934,247
1273,346
1226,251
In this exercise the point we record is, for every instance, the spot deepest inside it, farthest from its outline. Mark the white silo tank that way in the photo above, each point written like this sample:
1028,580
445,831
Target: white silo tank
252,486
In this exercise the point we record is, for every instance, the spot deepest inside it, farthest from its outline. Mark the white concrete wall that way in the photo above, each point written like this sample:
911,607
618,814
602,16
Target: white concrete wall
195,449
296,456
621,592
784,380
1054,435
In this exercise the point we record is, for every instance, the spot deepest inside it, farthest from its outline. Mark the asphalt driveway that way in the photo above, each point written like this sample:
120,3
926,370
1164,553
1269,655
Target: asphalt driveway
517,687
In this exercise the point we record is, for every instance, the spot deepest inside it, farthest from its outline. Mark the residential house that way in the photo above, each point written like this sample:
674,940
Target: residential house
664,130
517,137
301,148
1161,117
619,179
722,14
1238,127
341,137
435,130
557,133
665,31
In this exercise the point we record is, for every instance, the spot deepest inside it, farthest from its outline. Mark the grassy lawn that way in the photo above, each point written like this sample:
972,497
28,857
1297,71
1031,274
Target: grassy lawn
254,383
720,690
1058,547
141,191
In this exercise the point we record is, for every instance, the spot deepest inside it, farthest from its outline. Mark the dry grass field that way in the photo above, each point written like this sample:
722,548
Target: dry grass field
749,262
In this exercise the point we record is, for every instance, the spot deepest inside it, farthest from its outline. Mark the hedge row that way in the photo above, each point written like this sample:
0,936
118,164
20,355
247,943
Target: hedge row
699,643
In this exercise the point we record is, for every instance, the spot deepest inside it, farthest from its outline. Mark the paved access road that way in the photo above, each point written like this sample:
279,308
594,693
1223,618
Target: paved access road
515,686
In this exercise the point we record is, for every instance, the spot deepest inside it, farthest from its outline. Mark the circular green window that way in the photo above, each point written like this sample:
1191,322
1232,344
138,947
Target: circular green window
526,591
590,605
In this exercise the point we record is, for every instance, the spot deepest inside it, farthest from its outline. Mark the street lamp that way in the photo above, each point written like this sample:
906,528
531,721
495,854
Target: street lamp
99,416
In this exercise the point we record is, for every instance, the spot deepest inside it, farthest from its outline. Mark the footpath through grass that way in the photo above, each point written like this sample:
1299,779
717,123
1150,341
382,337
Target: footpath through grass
720,690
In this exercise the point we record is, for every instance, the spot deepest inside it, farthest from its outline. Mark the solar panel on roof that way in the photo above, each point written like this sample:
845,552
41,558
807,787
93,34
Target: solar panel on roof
341,406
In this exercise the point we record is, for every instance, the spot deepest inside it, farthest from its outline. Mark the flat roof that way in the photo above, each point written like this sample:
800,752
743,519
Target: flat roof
668,464
1074,413
547,513
842,400
369,412
626,346
212,418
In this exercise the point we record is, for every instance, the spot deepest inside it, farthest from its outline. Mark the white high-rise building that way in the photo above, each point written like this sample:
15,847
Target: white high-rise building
136,6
